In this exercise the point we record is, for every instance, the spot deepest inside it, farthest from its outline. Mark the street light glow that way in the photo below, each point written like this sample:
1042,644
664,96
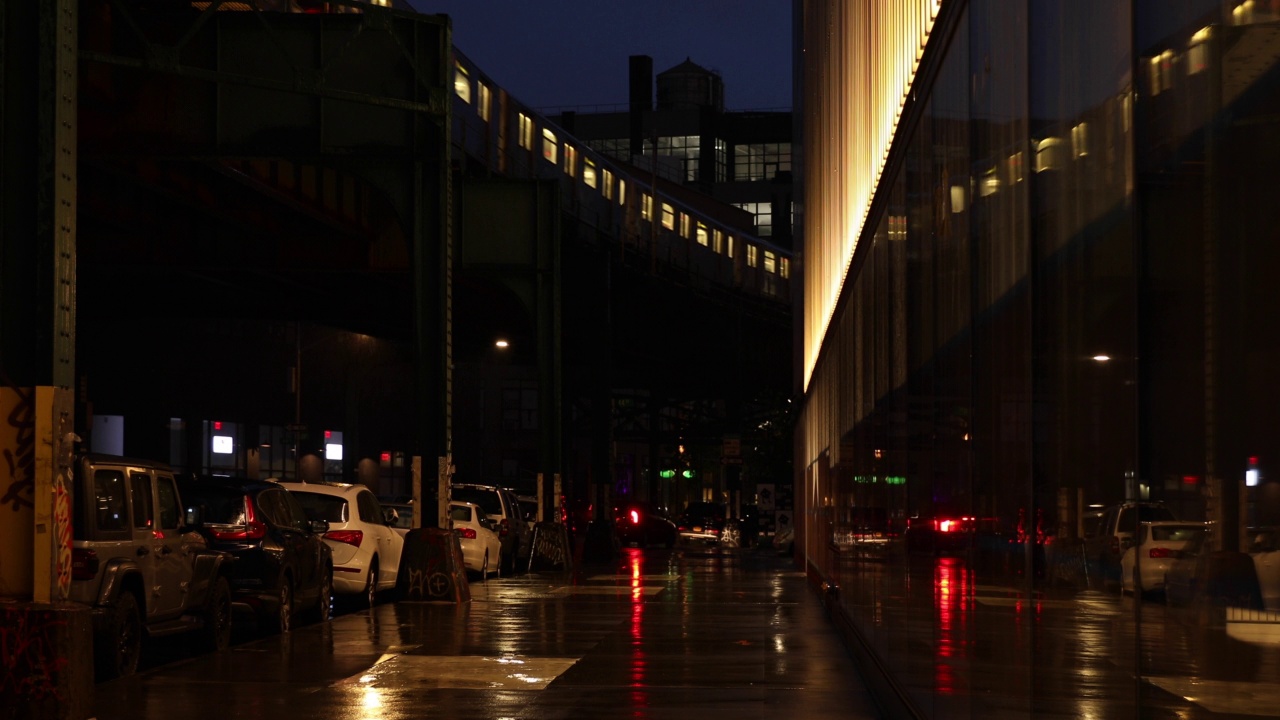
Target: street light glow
1101,358
502,344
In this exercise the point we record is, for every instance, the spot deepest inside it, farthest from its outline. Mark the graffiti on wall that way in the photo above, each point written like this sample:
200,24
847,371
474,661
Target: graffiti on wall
29,660
18,443
62,538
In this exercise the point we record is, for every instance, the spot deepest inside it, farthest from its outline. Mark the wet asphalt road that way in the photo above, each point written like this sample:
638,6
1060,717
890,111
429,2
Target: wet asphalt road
657,634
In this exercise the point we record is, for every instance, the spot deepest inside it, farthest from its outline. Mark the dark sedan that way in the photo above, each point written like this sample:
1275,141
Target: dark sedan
702,522
283,567
639,524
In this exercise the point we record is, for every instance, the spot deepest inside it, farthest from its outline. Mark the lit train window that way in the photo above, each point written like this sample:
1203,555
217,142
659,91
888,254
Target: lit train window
550,146
668,217
702,234
462,83
606,184
483,100
717,241
622,191
730,245
646,206
588,172
570,160
770,262
526,132
753,255
686,226
784,268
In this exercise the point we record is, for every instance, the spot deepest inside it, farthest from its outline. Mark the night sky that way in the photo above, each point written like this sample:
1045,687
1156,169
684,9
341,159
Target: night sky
573,53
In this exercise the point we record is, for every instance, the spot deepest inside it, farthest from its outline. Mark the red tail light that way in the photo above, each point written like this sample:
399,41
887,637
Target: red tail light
349,537
1158,553
465,533
84,564
635,517
253,528
505,527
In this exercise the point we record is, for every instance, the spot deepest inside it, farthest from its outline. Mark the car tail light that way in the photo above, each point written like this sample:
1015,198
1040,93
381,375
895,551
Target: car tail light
1158,553
253,528
84,564
349,537
635,517
465,533
504,527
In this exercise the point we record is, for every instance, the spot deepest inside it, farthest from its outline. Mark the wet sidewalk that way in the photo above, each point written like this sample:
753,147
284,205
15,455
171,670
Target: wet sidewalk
658,634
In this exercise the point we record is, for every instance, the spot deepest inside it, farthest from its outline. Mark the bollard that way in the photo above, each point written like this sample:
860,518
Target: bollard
432,567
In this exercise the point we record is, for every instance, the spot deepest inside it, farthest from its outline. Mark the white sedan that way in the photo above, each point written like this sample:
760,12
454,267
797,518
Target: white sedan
1264,548
1159,544
480,544
366,547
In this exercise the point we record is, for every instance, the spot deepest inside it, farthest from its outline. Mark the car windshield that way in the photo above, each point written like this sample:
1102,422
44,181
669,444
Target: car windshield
219,505
322,507
488,500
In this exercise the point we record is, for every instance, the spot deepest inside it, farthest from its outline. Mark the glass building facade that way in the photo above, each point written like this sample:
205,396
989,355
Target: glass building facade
1053,302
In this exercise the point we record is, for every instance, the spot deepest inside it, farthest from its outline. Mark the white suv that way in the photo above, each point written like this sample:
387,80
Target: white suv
366,547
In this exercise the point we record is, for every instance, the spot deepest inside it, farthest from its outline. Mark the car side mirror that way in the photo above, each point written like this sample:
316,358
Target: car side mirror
319,527
391,516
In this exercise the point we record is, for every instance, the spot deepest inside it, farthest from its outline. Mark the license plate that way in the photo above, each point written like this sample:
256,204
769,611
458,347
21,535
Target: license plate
697,528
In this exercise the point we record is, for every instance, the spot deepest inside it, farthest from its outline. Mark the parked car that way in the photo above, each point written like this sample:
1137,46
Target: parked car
137,561
283,566
1264,548
477,536
1114,535
1210,580
638,523
1144,565
529,509
500,506
701,522
366,549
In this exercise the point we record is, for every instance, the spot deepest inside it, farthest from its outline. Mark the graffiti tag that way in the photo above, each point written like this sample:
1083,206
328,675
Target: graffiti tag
28,654
62,526
19,445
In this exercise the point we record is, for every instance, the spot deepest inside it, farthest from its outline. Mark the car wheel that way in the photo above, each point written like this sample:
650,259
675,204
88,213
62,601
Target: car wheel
371,589
216,634
323,609
121,643
282,621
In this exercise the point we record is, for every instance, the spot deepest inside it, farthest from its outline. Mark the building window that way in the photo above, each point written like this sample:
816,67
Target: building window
762,161
526,132
570,160
753,255
606,185
483,100
588,172
763,213
550,146
702,235
646,206
668,217
685,148
618,149
462,84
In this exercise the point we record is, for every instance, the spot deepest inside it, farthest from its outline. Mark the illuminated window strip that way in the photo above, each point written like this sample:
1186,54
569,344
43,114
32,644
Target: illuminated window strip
860,60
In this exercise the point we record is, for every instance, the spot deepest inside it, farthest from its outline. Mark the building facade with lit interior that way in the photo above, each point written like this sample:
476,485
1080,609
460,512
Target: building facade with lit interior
739,157
1038,256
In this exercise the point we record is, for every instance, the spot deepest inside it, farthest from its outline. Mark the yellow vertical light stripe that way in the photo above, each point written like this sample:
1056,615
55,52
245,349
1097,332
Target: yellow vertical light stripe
859,61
